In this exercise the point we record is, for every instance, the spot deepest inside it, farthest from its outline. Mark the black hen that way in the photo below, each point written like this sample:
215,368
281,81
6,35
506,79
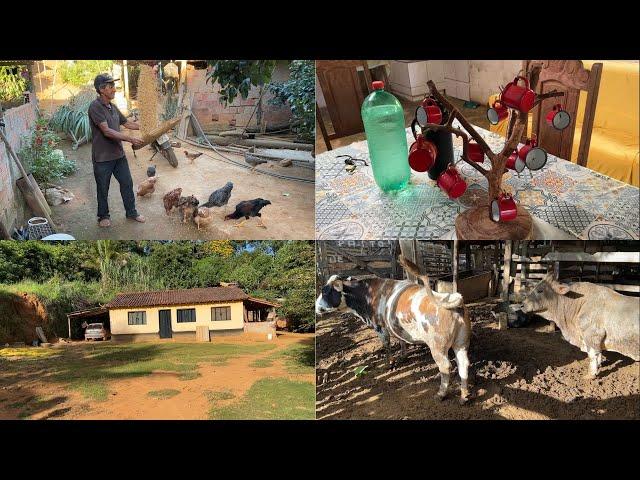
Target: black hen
248,208
151,171
220,197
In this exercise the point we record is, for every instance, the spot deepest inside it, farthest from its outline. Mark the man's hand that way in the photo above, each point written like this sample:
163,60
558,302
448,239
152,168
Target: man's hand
136,142
132,125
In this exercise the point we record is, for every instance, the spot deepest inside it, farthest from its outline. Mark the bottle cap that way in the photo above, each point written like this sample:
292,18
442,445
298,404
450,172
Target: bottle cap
377,85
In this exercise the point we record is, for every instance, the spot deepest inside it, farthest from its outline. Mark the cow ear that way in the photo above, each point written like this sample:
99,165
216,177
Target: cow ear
560,288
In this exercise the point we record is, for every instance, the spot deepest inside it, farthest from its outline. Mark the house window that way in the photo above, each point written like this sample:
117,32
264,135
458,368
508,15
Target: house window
138,318
220,314
186,315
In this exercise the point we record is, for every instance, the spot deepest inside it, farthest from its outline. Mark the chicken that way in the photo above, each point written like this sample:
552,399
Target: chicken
192,156
147,187
171,199
202,216
151,171
253,160
188,206
249,208
220,197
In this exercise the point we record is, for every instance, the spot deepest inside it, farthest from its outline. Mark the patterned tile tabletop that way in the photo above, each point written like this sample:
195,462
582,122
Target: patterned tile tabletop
574,199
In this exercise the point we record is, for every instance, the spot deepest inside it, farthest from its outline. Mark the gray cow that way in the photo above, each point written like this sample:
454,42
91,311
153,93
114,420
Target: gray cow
591,317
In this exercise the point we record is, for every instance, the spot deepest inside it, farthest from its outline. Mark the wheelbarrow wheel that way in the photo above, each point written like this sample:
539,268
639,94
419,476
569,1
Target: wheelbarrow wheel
170,155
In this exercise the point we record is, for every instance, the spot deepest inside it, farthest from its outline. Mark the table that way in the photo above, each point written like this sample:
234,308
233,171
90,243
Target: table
564,199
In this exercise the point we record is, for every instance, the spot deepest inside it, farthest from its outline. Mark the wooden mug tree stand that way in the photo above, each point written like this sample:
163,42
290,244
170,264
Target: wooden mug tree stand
475,223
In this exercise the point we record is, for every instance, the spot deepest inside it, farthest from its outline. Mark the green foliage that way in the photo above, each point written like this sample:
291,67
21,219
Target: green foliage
82,72
13,82
237,76
46,163
271,399
73,118
299,92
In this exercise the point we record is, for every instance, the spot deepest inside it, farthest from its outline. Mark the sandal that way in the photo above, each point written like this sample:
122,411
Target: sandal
104,223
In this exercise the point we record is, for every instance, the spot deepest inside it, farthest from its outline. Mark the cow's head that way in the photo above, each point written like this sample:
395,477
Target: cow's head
331,297
543,295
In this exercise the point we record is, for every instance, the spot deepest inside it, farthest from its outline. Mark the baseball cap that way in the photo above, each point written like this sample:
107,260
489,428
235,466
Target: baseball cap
102,79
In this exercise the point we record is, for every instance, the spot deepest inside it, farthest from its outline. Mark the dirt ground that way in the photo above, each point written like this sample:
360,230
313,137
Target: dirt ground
129,398
289,216
518,373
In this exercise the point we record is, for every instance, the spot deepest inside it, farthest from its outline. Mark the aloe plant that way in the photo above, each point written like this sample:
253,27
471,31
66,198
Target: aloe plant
73,118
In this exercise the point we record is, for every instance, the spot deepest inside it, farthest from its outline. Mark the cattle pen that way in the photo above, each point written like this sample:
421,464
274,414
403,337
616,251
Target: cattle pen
520,367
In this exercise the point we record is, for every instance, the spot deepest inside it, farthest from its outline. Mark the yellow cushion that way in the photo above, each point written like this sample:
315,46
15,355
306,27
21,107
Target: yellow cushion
612,153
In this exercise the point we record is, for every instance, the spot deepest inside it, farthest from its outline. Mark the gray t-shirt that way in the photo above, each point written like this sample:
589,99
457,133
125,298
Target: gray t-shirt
105,149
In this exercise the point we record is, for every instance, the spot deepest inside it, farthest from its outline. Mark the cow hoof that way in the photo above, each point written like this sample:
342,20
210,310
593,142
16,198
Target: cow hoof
464,400
441,396
589,376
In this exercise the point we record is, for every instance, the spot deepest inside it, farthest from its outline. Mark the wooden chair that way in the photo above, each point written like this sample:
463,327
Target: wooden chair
570,77
341,88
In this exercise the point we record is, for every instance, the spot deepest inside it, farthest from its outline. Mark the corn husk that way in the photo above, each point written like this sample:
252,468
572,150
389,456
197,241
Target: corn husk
148,100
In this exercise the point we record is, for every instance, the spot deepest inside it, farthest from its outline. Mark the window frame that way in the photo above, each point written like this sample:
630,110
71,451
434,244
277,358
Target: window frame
178,310
227,309
144,317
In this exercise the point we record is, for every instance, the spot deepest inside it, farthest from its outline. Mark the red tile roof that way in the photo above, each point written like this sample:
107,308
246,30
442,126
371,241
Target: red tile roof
177,297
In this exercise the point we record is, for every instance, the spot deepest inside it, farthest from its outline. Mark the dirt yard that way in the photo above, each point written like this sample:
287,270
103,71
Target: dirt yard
231,378
519,373
290,215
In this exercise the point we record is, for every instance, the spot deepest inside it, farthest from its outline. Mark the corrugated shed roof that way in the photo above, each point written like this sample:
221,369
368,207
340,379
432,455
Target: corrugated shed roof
177,297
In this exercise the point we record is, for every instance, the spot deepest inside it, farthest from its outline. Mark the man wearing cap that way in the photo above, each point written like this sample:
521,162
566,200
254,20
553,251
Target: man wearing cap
107,153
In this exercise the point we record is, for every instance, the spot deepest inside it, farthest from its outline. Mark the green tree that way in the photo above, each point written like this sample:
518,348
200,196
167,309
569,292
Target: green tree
299,93
237,76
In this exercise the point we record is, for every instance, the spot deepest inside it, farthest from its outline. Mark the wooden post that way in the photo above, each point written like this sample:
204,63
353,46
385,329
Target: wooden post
467,254
125,74
183,78
395,248
524,268
408,249
503,316
69,322
455,266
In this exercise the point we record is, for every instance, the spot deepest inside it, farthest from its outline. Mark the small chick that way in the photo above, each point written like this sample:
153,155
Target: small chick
171,199
192,156
202,216
147,187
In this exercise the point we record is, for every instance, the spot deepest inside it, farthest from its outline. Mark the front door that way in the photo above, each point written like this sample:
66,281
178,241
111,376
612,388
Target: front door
165,323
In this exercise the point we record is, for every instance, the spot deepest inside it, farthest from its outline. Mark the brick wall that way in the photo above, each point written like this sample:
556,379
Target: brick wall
19,121
213,116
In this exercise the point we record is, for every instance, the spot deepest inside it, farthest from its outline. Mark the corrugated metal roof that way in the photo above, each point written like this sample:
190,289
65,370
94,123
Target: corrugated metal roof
177,297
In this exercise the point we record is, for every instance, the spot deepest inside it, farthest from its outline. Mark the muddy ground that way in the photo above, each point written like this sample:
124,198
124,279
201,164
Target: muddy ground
519,373
290,216
28,393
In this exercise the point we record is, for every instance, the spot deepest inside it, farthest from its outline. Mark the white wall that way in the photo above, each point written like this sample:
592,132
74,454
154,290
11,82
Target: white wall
485,76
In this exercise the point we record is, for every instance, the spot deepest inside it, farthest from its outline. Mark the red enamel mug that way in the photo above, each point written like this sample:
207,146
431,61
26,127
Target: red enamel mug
514,162
475,152
452,183
518,97
526,148
503,208
497,112
422,154
429,112
558,118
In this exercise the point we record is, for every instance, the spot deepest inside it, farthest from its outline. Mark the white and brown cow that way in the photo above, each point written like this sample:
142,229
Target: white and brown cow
412,313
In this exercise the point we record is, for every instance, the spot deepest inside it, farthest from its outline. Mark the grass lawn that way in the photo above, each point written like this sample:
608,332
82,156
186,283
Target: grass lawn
88,368
271,399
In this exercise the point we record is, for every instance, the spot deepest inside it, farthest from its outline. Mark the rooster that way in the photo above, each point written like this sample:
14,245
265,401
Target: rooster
192,156
147,187
249,208
171,199
188,206
220,197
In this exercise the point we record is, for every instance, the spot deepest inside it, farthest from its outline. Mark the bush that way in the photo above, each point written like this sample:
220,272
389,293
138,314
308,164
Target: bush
73,118
299,92
13,83
46,163
82,72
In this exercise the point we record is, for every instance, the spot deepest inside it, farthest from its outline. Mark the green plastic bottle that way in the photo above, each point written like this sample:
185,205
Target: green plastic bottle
383,120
